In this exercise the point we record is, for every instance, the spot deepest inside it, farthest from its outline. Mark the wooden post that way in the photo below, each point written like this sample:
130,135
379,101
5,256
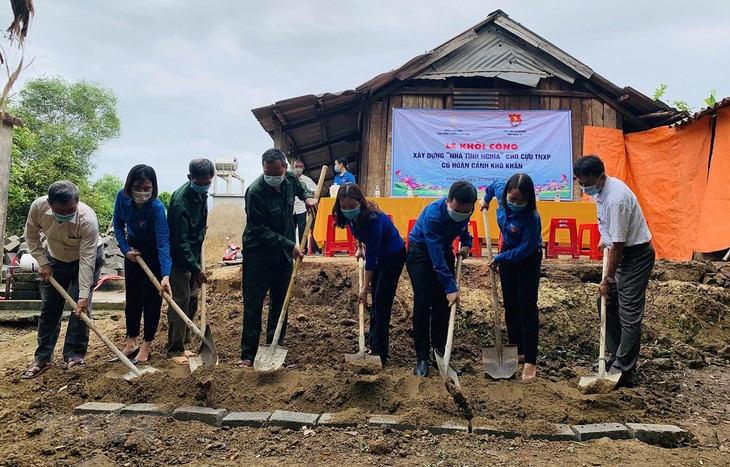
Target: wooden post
6,150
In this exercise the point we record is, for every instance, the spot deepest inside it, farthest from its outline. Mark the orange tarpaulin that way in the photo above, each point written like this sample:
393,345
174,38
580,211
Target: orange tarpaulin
667,169
713,229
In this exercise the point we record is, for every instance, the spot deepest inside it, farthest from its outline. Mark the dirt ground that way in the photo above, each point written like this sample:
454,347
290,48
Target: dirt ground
683,378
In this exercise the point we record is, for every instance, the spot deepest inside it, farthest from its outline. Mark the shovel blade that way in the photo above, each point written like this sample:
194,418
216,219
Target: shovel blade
362,359
446,370
500,365
598,383
269,358
146,370
195,363
207,353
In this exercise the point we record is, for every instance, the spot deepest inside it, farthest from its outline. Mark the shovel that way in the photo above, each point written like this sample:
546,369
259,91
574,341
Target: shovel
135,372
207,352
602,381
500,361
197,361
271,357
446,370
361,358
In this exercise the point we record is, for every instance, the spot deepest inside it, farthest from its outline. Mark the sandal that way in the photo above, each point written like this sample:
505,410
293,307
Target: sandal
245,364
35,370
74,362
130,355
137,361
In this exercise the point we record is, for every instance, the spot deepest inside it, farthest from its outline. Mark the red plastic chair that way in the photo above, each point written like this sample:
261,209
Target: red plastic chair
331,245
573,249
476,248
594,238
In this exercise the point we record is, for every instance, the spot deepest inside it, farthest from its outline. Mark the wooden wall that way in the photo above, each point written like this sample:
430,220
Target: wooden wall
375,163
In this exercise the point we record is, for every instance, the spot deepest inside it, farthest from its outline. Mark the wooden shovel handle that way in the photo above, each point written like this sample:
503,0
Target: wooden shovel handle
361,305
452,318
602,343
493,283
203,289
83,316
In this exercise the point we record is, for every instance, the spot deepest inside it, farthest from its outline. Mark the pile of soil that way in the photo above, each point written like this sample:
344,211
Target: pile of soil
685,346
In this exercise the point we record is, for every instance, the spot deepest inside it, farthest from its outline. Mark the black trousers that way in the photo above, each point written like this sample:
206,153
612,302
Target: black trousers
382,287
141,295
430,307
259,277
520,282
300,221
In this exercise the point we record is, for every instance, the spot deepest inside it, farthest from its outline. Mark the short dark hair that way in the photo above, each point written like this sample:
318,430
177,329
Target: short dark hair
273,154
63,191
524,183
588,166
201,168
301,161
463,192
138,174
368,209
343,161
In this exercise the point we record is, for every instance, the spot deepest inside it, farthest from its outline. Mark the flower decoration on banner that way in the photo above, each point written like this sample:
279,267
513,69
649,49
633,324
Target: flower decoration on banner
548,190
410,185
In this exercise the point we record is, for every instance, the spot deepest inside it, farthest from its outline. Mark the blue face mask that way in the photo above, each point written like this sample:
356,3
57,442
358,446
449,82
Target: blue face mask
199,189
351,213
458,216
274,180
64,217
592,190
516,207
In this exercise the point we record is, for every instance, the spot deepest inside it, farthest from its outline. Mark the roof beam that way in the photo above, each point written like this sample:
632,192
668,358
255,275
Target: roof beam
633,119
348,137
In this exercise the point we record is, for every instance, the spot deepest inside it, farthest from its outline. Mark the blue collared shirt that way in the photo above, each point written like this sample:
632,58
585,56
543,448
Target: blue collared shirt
346,177
521,231
380,237
143,223
437,230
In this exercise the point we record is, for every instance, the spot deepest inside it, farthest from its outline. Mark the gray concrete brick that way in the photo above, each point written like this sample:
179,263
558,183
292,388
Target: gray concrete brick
202,414
562,432
252,419
98,408
601,430
331,420
488,430
664,435
152,410
293,420
390,421
447,428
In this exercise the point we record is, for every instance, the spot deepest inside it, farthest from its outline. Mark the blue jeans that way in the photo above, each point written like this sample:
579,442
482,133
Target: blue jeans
49,323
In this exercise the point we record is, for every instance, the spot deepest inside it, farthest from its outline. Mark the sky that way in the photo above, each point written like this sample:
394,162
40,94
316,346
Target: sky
187,73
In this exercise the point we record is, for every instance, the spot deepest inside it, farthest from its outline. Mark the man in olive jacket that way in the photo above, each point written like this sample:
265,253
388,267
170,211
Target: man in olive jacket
269,247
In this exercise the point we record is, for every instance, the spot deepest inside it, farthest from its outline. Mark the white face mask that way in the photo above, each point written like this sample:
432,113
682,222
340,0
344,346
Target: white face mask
298,170
141,197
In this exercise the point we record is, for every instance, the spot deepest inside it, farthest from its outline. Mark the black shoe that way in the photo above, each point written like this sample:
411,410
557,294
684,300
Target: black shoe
421,368
627,380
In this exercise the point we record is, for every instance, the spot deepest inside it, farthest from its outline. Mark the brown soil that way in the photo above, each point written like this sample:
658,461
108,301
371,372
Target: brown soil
683,380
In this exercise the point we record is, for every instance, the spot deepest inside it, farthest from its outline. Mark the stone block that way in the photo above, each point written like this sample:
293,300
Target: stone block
33,286
332,420
492,431
390,421
12,245
25,276
99,408
601,430
447,428
561,432
663,435
152,410
293,420
26,294
202,414
252,419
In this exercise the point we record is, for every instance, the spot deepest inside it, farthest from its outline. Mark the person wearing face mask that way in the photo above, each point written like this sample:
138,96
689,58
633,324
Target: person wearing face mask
300,210
519,263
73,256
342,176
269,248
187,217
385,254
140,227
430,264
631,257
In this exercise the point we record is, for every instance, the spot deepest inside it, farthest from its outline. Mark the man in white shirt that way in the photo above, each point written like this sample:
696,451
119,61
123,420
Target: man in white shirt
630,261
300,210
73,256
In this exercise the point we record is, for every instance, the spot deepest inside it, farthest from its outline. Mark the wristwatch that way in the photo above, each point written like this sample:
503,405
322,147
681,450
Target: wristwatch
610,280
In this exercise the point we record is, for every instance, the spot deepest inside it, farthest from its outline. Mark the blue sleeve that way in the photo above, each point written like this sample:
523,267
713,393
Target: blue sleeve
119,223
494,191
435,243
162,233
527,245
465,237
372,241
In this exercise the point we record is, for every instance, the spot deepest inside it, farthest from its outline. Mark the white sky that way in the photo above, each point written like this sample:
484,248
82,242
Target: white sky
187,73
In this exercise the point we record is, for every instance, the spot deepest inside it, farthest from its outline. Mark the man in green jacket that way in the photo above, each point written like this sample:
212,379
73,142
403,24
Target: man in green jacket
187,216
268,248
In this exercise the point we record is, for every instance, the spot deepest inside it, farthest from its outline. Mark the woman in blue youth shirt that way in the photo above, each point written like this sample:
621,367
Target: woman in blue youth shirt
140,227
382,247
519,262
342,176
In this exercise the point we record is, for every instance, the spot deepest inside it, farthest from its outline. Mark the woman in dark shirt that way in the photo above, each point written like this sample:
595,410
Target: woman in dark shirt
519,263
385,254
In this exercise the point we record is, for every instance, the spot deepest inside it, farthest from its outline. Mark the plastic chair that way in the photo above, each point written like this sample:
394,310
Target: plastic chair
594,238
553,249
476,248
331,245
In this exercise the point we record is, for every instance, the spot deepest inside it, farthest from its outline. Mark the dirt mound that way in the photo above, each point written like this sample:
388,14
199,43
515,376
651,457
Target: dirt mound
225,221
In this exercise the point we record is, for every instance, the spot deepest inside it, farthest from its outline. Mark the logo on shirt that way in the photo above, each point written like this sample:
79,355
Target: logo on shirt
513,229
142,222
515,119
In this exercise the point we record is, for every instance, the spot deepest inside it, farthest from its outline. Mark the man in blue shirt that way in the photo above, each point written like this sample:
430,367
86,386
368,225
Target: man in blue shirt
430,263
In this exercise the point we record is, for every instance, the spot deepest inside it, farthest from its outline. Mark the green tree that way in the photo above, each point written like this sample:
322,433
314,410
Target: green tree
165,198
100,197
65,124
